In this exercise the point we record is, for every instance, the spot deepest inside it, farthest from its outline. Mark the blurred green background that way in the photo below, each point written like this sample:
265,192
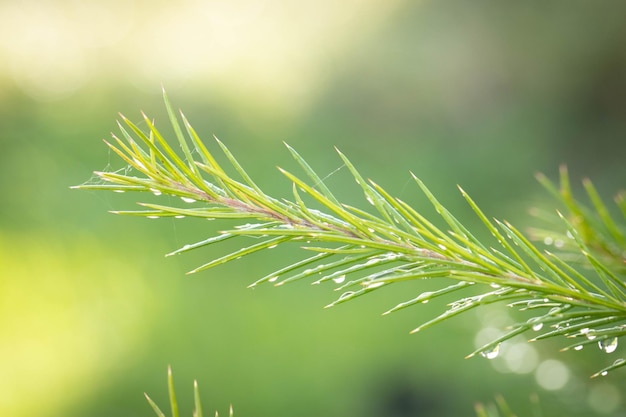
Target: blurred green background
482,94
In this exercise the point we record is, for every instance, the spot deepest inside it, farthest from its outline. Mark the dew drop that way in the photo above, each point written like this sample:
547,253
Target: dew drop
346,295
604,373
425,297
152,217
272,279
188,200
374,284
494,285
619,361
339,279
491,353
537,326
180,216
608,345
589,333
559,243
369,200
155,192
186,247
579,347
548,240
272,246
119,191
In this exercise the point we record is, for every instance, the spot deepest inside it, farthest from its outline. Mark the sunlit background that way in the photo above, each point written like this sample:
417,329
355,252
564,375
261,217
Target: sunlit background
482,94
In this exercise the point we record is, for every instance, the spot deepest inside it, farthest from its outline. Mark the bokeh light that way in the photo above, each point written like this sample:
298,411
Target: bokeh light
552,374
482,94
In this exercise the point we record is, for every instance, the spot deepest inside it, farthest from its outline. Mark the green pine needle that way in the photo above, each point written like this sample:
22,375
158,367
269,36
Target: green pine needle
197,412
573,290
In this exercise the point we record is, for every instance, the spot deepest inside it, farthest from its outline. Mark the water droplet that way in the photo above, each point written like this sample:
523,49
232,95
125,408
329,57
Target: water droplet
442,247
372,261
272,246
604,373
155,192
186,247
272,279
424,297
374,284
619,361
188,200
153,217
180,216
494,285
579,347
371,230
559,243
346,295
369,200
537,326
548,240
491,353
457,305
590,334
608,345
339,279
553,311
119,191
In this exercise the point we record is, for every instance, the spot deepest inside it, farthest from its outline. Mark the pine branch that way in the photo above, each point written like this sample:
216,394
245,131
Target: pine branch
577,292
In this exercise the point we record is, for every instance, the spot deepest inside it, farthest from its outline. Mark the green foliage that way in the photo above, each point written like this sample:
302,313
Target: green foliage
571,285
576,291
197,412
498,409
501,409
